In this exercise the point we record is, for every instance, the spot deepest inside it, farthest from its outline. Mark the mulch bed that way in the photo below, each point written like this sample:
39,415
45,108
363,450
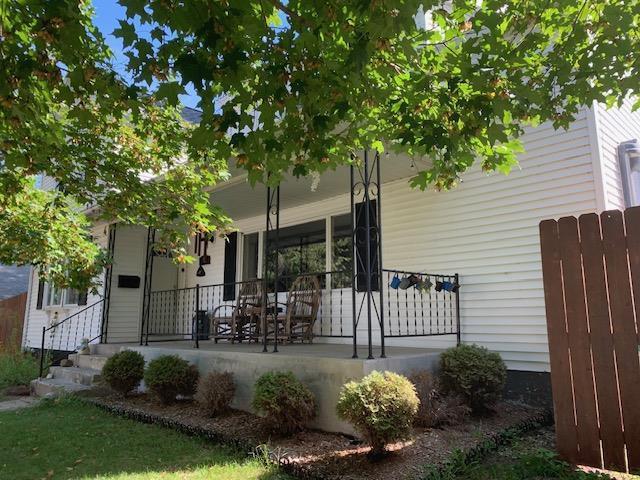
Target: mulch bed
316,454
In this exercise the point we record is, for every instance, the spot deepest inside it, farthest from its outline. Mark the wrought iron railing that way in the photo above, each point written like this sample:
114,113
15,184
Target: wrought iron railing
414,311
427,308
70,333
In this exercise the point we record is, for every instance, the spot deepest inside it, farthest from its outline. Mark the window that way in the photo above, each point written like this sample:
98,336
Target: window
57,297
302,250
250,257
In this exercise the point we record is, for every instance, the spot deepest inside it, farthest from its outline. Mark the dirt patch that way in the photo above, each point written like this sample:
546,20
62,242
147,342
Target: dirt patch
328,455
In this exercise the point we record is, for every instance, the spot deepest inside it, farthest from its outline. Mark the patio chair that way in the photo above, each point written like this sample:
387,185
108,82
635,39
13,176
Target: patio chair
301,310
239,321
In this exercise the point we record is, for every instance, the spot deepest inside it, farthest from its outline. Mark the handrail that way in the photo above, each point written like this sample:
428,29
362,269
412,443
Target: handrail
426,274
51,327
70,339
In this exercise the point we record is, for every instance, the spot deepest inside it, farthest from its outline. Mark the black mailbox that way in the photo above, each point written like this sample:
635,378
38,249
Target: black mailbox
128,281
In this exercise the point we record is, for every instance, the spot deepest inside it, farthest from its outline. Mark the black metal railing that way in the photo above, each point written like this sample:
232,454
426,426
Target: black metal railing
70,333
422,305
419,309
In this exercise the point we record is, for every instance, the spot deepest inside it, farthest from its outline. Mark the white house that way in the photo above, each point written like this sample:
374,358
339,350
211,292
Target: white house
485,230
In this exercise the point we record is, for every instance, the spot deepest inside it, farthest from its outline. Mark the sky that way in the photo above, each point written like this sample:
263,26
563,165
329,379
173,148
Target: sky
107,14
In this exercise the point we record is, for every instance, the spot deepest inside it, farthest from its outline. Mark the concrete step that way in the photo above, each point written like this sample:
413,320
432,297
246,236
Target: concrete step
89,361
82,376
105,349
42,387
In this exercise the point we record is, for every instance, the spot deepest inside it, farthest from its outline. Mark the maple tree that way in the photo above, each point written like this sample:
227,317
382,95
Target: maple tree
292,86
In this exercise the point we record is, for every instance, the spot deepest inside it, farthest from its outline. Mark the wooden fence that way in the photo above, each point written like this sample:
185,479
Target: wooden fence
11,318
591,269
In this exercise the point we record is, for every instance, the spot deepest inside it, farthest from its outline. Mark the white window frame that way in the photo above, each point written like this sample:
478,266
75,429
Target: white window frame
49,289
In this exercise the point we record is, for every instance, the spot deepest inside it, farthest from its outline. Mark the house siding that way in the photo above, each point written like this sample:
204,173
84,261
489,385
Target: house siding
36,319
614,126
486,230
125,308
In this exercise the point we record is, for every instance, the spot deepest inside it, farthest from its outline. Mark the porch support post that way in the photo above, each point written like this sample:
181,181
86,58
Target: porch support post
272,225
354,267
148,275
108,278
196,326
367,262
378,265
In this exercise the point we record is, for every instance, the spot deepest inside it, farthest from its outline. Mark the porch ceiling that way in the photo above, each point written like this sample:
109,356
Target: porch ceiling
240,200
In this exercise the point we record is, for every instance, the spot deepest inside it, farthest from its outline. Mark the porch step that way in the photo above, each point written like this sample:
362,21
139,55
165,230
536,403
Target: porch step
105,349
82,376
42,387
89,361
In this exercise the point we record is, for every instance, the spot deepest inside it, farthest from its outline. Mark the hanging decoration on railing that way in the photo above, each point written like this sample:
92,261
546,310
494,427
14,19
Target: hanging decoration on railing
420,283
201,246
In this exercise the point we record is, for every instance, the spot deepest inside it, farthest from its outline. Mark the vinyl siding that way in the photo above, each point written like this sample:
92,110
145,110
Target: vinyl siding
614,126
36,319
486,230
126,303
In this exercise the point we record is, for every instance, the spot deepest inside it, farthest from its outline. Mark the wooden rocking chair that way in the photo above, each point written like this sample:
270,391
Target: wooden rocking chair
243,321
301,310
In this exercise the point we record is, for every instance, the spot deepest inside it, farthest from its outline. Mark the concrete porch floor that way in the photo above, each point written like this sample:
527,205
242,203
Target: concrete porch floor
322,350
323,367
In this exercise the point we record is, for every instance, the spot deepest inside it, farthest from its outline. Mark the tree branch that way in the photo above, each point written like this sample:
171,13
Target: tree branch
283,8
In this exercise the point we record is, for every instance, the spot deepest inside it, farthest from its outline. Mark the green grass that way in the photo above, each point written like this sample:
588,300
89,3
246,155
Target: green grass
68,439
538,464
17,368
525,458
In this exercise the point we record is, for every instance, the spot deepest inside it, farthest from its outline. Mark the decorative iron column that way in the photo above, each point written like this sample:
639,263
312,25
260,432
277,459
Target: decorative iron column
271,255
366,240
108,278
146,296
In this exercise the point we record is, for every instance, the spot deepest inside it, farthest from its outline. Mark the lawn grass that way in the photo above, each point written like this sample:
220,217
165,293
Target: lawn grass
68,439
530,457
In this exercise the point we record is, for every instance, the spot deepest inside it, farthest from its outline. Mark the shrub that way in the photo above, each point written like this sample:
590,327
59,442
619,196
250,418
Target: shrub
17,368
436,408
286,404
381,407
474,373
168,376
123,371
189,383
215,392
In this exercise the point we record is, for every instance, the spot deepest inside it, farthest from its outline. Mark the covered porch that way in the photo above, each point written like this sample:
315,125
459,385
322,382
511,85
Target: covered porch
327,232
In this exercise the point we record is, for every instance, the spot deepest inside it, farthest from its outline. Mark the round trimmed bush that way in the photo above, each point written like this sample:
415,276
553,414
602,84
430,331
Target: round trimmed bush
381,407
474,373
123,371
284,402
215,392
168,376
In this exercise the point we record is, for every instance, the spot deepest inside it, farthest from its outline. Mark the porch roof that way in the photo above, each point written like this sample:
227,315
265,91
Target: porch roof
240,200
